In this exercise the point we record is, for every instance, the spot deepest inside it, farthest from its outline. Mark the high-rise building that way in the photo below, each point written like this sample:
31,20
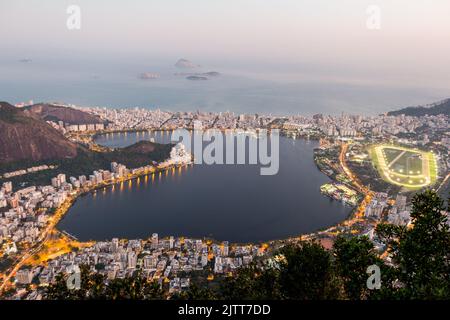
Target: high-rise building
150,262
132,260
98,176
154,240
113,166
115,244
61,178
55,182
171,242
7,186
24,276
400,202
225,248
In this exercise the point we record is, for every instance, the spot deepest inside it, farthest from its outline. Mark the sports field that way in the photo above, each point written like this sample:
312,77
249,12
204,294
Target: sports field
409,168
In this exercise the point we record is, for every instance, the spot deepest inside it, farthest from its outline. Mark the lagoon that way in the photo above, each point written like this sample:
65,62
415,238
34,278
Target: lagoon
225,202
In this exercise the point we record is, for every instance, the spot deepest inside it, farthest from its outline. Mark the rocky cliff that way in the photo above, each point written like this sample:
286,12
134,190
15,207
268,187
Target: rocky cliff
24,136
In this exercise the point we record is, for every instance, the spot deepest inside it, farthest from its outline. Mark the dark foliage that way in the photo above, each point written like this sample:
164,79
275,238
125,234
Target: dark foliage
420,268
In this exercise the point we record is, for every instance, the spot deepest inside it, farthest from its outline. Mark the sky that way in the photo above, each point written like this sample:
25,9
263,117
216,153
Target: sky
413,36
318,39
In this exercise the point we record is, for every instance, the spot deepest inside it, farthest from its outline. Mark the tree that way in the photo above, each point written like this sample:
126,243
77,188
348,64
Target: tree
194,292
420,268
307,273
252,283
133,288
94,286
91,287
352,257
302,272
421,253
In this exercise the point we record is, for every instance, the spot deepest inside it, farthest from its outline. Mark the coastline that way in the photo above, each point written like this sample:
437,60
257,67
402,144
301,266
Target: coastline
269,245
285,133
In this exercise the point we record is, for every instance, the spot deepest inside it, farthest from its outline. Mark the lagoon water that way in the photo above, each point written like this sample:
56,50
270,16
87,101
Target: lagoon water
225,202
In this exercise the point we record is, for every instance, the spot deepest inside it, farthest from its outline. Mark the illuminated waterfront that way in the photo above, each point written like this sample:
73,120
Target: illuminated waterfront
226,202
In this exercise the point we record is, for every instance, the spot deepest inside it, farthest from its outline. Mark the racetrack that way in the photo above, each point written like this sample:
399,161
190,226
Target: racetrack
396,171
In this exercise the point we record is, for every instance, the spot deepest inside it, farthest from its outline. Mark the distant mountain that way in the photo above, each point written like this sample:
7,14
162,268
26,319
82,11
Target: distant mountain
141,147
196,78
205,74
51,112
212,74
441,107
198,75
24,136
185,64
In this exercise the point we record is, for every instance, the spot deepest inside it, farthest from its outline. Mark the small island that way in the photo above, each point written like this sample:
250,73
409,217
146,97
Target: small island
185,64
196,78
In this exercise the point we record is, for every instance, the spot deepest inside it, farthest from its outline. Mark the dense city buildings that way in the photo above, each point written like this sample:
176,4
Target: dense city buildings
29,214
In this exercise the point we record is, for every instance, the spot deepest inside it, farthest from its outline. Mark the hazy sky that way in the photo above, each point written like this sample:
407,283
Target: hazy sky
328,38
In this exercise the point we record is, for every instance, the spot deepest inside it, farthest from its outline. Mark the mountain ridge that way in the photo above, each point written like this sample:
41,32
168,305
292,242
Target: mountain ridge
53,112
440,107
24,136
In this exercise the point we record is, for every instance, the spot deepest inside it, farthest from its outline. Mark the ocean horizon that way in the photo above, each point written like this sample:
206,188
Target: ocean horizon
287,92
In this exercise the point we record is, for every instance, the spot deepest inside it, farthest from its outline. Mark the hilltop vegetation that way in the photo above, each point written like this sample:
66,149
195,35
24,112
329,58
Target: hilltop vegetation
26,137
442,107
26,140
87,161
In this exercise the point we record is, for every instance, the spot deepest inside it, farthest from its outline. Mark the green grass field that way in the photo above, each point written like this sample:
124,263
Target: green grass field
409,168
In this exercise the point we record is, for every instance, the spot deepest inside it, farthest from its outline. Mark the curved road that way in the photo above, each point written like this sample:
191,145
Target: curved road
40,242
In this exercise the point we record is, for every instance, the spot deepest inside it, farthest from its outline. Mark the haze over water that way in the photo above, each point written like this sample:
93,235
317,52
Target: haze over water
262,94
225,202
276,56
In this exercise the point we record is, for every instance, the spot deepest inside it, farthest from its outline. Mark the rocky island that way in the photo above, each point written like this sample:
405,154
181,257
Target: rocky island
186,64
196,78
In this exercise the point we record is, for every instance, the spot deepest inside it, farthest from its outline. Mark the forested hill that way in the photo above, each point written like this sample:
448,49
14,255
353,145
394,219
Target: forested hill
442,107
